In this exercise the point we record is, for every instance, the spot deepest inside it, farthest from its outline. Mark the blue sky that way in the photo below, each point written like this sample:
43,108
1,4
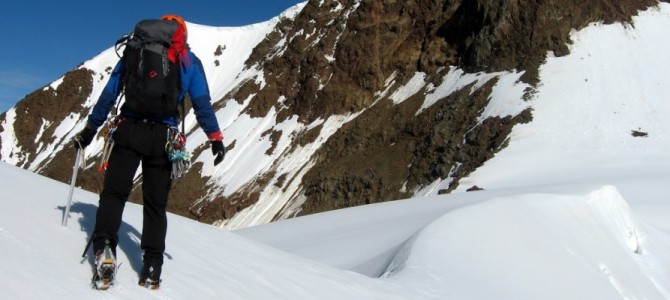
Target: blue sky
44,39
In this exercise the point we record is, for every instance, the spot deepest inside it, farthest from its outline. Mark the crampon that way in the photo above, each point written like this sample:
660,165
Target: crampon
105,269
150,284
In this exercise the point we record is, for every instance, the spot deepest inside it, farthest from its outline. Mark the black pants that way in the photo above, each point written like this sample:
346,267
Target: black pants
136,141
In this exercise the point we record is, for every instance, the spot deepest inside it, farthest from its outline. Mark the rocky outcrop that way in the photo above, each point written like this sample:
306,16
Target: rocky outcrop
41,109
346,53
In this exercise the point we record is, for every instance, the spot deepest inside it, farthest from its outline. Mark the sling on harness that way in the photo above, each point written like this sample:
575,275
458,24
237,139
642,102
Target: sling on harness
113,123
177,153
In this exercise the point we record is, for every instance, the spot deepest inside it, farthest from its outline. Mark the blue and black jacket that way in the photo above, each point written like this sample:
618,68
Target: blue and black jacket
193,82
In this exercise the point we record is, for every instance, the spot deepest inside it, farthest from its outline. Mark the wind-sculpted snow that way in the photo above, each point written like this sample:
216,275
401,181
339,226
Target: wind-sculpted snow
590,238
551,242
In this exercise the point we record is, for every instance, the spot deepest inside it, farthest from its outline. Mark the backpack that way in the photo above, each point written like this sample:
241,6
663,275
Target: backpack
152,77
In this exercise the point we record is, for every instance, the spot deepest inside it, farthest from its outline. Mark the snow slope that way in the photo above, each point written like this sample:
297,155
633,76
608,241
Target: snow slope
575,208
576,241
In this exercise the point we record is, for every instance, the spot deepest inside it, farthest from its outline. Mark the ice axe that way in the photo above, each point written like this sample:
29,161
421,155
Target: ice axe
75,170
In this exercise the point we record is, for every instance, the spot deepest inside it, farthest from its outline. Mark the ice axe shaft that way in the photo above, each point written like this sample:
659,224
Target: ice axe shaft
75,170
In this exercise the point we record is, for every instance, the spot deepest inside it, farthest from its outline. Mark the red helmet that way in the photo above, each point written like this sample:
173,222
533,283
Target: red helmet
178,19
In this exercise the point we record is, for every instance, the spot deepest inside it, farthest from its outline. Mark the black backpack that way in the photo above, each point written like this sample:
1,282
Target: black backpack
152,82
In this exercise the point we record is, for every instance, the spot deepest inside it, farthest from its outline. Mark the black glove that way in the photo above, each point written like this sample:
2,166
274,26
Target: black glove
219,151
84,138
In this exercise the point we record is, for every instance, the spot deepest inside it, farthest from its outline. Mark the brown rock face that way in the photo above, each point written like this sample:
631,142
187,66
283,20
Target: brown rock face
48,106
388,151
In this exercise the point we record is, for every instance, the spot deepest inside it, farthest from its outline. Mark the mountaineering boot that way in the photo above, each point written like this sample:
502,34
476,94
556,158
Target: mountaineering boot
150,276
105,267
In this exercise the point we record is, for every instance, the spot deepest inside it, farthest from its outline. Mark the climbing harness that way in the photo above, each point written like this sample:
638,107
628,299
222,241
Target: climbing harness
177,153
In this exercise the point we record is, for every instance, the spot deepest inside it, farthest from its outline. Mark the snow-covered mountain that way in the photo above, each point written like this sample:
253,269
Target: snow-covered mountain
574,206
341,103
